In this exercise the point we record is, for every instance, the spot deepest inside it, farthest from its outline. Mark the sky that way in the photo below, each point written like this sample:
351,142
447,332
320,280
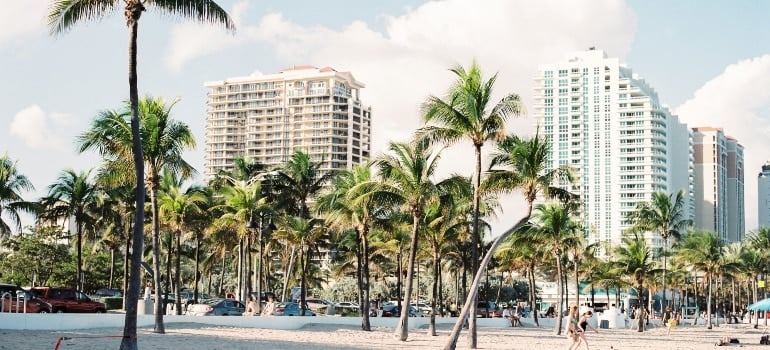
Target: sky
708,60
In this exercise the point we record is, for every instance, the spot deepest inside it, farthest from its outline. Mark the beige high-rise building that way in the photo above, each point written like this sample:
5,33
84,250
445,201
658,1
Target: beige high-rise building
268,117
719,197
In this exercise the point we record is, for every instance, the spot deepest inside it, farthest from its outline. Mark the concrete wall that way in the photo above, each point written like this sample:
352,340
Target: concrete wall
109,320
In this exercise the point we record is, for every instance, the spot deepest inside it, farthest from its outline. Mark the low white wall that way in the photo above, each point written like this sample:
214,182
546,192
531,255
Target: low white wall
87,321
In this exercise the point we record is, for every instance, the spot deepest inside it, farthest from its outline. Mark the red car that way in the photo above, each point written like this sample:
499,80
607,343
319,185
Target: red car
13,299
68,300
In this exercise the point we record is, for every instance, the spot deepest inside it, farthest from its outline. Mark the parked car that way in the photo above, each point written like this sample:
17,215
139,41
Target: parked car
15,298
486,309
107,292
217,307
188,296
423,308
68,300
391,310
291,309
320,305
347,304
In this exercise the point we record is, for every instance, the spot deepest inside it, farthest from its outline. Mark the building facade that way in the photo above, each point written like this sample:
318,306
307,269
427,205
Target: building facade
763,196
718,183
608,125
268,117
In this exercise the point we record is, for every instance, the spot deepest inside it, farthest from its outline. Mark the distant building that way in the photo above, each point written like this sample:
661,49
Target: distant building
268,117
719,184
608,124
763,198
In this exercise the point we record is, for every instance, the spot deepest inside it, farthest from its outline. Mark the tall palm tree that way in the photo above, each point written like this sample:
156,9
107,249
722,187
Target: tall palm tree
74,195
465,114
408,170
633,260
12,183
704,251
63,15
516,165
163,141
666,215
298,181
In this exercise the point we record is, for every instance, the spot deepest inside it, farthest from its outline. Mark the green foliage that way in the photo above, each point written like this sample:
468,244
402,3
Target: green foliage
37,259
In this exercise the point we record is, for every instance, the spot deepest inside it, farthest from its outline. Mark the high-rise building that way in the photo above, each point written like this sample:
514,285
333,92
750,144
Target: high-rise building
763,196
268,117
607,124
718,183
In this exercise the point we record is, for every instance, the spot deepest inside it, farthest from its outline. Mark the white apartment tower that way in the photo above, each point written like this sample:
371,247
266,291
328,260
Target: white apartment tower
763,196
718,183
268,117
608,125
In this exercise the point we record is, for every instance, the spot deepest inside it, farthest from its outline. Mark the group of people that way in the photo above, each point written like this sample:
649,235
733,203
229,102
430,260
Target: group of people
577,327
252,308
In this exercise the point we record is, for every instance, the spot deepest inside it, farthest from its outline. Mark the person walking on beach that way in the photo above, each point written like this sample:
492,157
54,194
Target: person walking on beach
269,309
573,329
252,309
584,326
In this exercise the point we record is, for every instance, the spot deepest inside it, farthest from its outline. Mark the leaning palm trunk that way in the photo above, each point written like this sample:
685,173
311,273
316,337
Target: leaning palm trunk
475,241
129,341
471,297
287,272
402,329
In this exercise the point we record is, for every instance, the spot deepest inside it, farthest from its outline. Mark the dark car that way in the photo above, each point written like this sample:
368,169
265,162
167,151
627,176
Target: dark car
392,310
291,309
217,307
108,292
486,309
15,299
68,300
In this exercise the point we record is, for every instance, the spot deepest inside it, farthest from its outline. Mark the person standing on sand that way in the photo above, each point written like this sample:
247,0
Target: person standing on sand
584,326
269,309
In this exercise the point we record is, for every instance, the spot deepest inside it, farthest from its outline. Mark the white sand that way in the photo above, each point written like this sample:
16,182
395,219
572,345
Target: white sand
194,336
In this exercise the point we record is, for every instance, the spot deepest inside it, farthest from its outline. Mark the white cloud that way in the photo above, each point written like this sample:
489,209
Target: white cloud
738,100
409,60
38,130
20,19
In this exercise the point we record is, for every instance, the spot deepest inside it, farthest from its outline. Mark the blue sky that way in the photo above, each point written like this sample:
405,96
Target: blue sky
708,60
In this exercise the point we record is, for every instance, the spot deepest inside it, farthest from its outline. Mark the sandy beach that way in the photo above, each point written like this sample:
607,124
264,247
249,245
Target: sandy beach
315,336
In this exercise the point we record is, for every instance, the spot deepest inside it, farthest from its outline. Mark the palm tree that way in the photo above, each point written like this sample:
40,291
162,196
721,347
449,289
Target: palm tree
177,208
704,251
303,234
299,180
633,260
349,204
64,14
74,195
11,203
465,115
666,215
408,171
516,165
163,142
556,229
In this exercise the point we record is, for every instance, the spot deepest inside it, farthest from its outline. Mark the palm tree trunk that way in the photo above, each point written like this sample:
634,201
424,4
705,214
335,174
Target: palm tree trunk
708,305
79,279
402,329
665,265
577,284
197,267
640,315
129,341
302,262
560,286
178,274
471,298
127,267
287,272
476,241
533,299
365,323
112,267
168,286
222,275
434,293
159,326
